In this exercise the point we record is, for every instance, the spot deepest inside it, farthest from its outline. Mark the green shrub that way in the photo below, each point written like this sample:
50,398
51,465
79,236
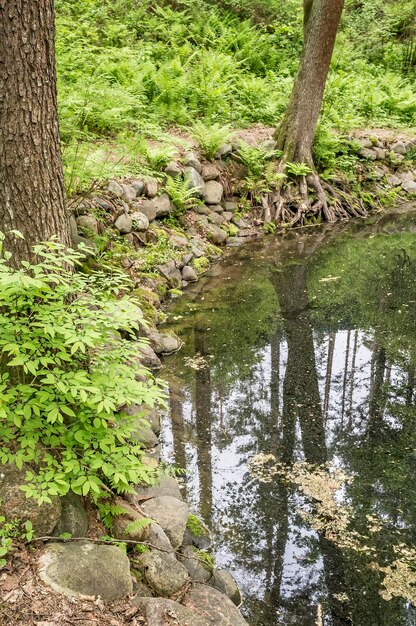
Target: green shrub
210,138
65,373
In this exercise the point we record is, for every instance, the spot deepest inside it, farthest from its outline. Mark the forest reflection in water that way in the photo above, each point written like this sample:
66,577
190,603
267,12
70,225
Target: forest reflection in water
299,361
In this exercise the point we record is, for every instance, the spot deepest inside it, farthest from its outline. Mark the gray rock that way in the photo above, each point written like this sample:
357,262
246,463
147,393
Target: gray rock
173,169
178,242
104,204
141,590
162,612
210,171
171,273
163,572
171,514
364,142
213,606
399,148
75,569
215,218
214,233
87,222
170,343
140,222
189,274
123,528
139,186
186,259
228,216
230,205
194,180
115,188
224,582
239,222
198,250
409,186
192,160
74,518
129,193
15,506
367,153
216,208
377,173
124,224
166,486
393,180
163,205
146,412
202,209
148,357
197,569
224,151
235,242
148,208
158,538
213,192
381,154
151,187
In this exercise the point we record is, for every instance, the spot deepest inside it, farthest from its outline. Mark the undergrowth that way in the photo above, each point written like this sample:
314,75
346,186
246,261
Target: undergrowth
130,70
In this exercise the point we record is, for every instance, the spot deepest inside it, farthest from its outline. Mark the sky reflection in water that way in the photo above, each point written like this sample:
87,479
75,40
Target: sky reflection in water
304,348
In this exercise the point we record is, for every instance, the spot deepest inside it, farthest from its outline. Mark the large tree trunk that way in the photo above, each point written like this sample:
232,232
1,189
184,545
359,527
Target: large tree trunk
297,131
32,195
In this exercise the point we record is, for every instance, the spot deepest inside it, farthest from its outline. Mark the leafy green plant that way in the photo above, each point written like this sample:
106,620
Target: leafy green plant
210,138
65,372
298,169
255,158
182,195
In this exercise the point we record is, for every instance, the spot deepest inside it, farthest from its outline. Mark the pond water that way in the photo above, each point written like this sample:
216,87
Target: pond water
291,406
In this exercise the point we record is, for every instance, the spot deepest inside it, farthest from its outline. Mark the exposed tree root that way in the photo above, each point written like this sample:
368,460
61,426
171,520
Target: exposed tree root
309,200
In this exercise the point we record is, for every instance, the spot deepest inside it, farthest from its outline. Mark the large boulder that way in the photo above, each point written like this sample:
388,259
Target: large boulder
213,192
171,273
74,518
87,569
163,572
162,612
171,514
213,605
15,506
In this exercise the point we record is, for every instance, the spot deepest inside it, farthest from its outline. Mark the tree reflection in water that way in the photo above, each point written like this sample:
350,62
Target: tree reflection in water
309,354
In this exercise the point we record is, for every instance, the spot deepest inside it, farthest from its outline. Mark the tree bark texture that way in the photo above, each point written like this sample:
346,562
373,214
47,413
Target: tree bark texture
297,131
32,192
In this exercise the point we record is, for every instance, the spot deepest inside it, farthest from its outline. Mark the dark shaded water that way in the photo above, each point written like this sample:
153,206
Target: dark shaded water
304,348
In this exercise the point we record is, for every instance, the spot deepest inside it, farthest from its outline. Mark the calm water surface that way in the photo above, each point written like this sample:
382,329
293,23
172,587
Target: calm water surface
292,408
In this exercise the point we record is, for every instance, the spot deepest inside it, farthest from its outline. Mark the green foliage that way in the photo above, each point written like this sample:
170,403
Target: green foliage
132,69
298,169
200,264
210,138
255,158
65,372
10,530
205,558
138,524
182,195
